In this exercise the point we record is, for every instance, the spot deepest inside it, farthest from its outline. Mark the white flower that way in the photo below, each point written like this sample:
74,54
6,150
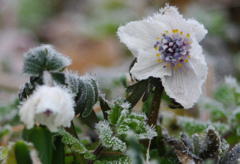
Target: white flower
50,106
167,46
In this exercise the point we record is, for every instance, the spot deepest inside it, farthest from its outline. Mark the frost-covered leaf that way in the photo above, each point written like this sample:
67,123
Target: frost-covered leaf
114,113
211,145
192,126
232,156
114,160
135,124
215,108
86,91
183,152
75,145
225,95
44,58
29,87
107,138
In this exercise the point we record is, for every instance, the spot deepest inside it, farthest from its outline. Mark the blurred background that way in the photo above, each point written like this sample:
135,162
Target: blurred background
85,30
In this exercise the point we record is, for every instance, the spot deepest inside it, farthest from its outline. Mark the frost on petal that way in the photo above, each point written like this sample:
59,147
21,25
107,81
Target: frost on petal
170,16
197,29
50,106
198,63
140,35
184,86
147,66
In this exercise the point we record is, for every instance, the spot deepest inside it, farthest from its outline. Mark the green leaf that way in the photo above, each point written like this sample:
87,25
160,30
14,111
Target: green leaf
22,153
225,95
104,106
58,151
136,91
75,145
114,114
91,100
108,139
211,145
232,156
42,141
86,92
44,58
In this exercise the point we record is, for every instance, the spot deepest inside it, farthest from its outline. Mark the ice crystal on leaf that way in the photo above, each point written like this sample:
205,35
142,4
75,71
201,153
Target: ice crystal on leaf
122,124
44,58
107,139
75,145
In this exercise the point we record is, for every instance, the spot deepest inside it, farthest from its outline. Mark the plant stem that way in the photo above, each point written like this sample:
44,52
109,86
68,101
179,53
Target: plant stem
72,130
96,152
154,112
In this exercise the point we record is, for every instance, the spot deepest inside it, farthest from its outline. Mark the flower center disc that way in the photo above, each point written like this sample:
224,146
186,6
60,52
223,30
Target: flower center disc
173,48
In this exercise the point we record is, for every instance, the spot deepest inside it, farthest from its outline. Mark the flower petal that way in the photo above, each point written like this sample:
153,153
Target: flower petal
184,86
141,35
198,63
147,66
170,16
197,28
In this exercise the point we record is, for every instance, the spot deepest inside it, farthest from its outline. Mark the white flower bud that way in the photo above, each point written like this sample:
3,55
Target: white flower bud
50,106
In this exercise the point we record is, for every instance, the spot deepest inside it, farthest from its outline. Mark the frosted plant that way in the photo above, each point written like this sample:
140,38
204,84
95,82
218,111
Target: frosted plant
167,46
44,58
134,124
50,106
107,139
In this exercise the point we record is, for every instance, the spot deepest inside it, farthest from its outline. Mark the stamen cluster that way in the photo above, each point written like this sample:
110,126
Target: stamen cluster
173,48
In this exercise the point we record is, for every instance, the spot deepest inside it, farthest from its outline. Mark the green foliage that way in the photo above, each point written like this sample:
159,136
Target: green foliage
123,124
115,160
75,145
192,126
225,109
85,89
8,113
44,58
108,139
225,94
22,153
42,140
232,156
19,152
199,148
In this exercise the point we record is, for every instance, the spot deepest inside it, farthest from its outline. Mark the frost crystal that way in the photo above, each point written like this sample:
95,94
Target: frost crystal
107,139
134,124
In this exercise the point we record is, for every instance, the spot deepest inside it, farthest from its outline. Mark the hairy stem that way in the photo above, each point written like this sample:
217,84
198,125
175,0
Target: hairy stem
154,112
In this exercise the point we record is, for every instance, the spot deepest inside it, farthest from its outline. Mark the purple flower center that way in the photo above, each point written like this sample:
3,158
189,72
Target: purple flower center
173,48
48,112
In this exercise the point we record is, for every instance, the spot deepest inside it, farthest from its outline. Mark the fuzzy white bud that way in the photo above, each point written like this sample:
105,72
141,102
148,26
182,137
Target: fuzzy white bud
49,106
